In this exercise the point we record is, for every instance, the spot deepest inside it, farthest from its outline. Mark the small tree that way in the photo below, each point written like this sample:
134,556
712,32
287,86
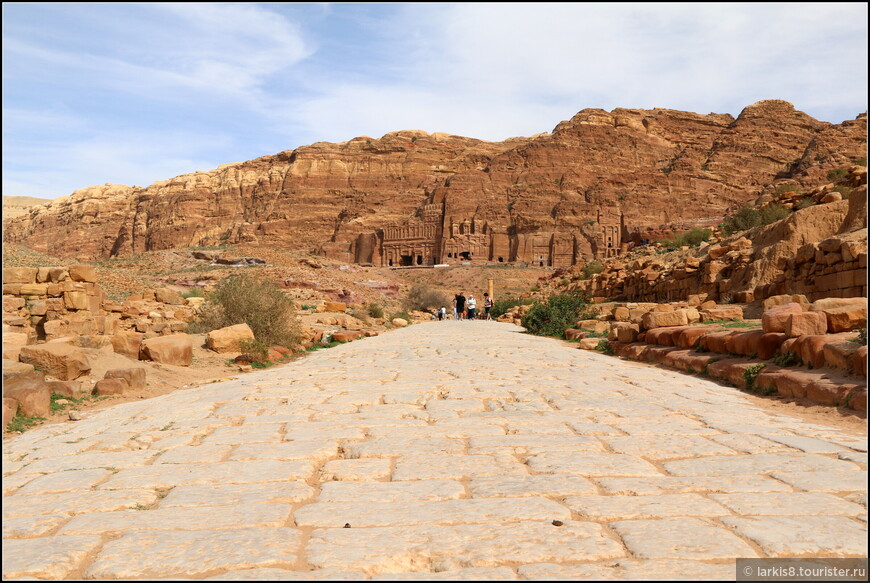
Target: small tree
245,299
423,298
553,317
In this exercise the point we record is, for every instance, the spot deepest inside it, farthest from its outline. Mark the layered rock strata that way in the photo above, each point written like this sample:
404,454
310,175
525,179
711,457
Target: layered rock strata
595,185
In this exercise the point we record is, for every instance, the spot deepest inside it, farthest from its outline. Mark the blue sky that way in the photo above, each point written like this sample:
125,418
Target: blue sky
134,93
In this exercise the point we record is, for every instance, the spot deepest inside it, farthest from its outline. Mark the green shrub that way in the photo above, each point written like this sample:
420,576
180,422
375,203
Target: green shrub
194,292
837,174
787,359
258,351
559,312
691,238
750,374
424,298
604,347
402,314
748,217
375,310
804,203
245,299
862,337
783,188
591,269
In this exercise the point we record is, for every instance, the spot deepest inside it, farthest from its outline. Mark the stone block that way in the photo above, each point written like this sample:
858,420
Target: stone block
800,324
573,334
859,361
722,313
13,367
19,275
10,409
774,319
174,349
770,344
839,354
168,296
747,343
664,319
627,333
134,376
127,343
347,336
695,300
31,391
589,343
621,314
334,307
780,300
82,273
75,300
59,360
74,389
33,289
110,386
846,318
229,339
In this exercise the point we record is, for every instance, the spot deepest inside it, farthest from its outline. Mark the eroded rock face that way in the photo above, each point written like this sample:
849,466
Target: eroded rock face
596,183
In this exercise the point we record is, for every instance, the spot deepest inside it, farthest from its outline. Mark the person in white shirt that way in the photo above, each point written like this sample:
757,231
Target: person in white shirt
472,304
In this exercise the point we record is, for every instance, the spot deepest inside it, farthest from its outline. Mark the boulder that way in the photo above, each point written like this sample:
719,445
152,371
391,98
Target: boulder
32,393
780,300
774,319
167,296
135,376
859,361
399,322
127,343
229,339
59,360
110,386
13,367
347,336
10,409
769,344
174,349
334,307
74,389
839,354
83,273
627,333
846,318
747,343
589,343
575,334
12,344
621,314
803,323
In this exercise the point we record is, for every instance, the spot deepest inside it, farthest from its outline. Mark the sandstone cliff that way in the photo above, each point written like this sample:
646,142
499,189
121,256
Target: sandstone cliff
596,183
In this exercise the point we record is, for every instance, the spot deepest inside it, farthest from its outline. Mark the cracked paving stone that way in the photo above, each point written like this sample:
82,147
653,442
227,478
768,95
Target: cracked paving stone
698,484
356,470
795,536
336,514
680,538
827,482
631,570
392,492
756,464
208,495
53,558
236,472
611,508
540,485
443,548
592,464
193,553
788,503
76,502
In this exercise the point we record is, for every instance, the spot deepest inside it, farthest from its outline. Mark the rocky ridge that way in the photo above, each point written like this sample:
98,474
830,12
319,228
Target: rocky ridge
625,167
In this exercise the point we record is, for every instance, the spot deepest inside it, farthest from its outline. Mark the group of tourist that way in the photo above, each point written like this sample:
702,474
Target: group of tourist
466,308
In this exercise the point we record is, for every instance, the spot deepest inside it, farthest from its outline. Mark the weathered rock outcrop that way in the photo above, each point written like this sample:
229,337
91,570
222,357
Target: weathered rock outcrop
596,183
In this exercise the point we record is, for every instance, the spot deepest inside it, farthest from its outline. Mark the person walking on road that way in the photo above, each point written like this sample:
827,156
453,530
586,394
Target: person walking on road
487,305
455,313
460,306
472,306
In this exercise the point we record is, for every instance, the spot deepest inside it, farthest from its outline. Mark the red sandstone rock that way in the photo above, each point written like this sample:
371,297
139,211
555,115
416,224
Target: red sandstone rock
690,337
783,299
774,319
840,354
664,319
59,360
229,339
347,336
128,343
800,324
722,313
10,409
859,361
730,369
134,376
846,318
769,344
176,349
110,386
747,343
32,393
73,389
575,334
82,273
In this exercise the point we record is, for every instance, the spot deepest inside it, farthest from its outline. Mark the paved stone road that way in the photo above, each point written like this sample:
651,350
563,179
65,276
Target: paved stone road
455,450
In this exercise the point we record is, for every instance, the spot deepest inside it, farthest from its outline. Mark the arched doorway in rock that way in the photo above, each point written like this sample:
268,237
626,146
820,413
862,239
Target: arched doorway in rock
466,255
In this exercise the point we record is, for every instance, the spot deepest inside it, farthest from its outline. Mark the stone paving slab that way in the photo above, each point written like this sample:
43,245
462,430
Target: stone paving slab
194,553
442,548
517,457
